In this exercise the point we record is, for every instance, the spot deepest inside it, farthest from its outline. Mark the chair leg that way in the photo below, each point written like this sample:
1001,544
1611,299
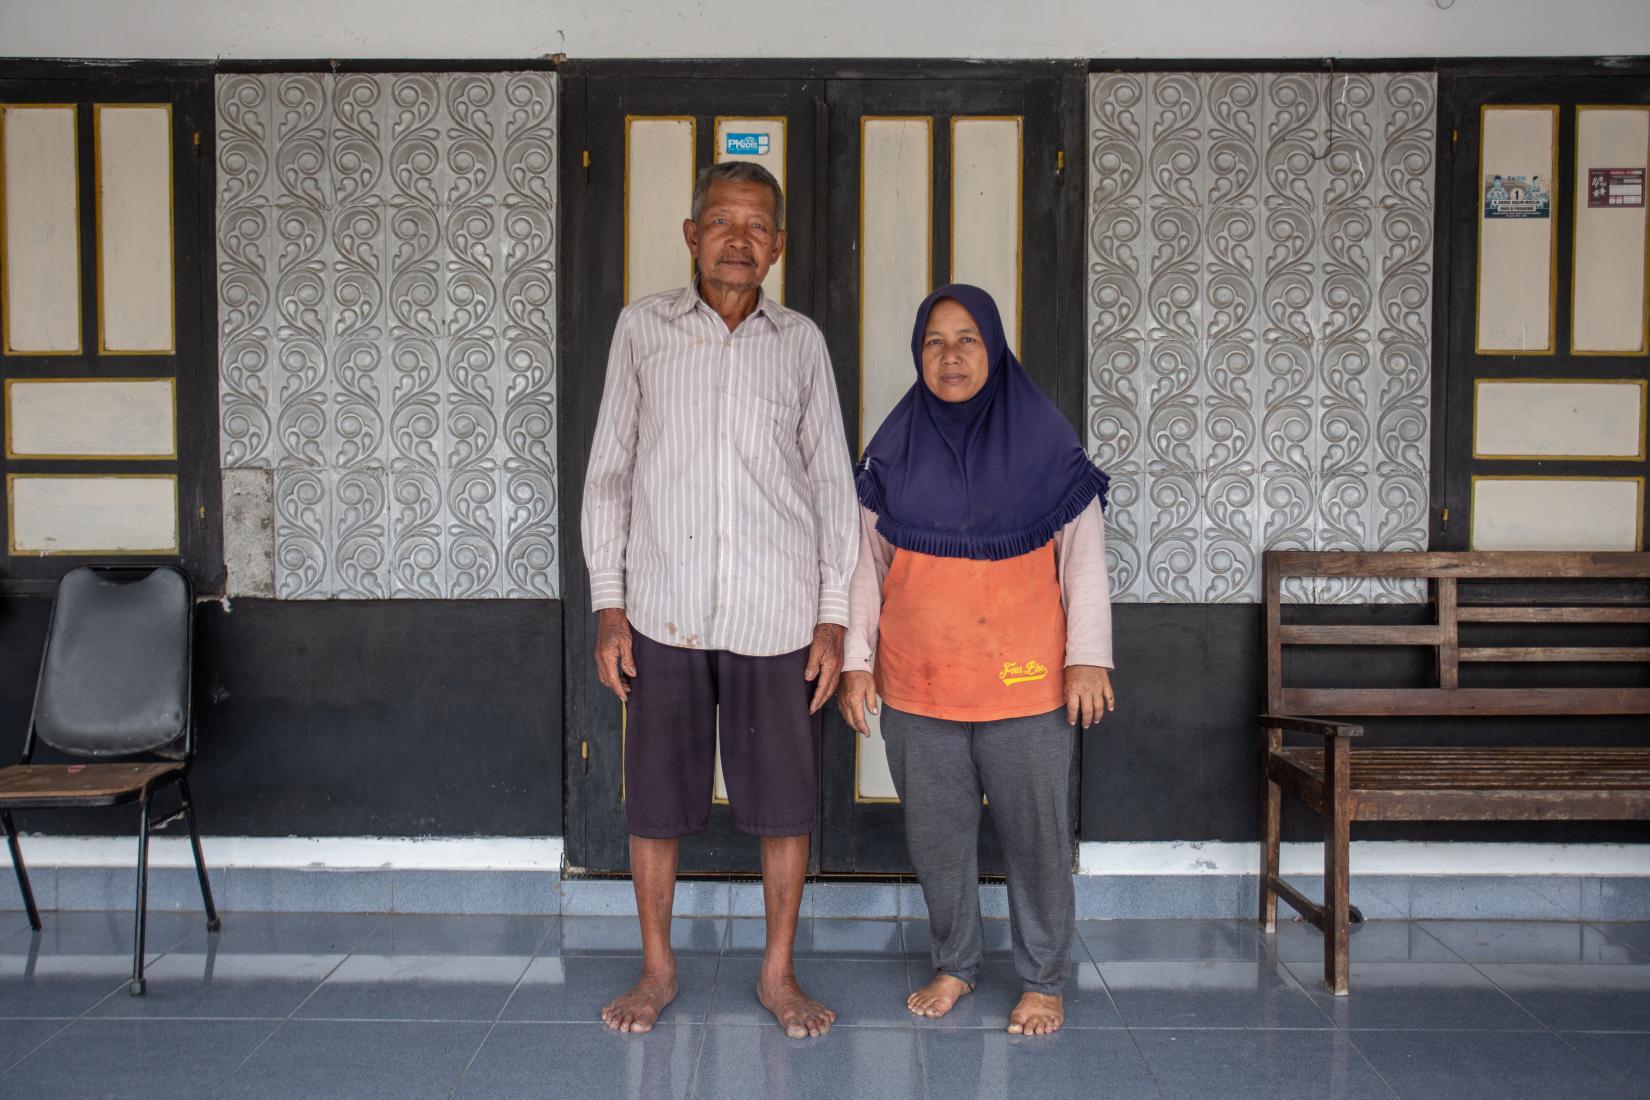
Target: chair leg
213,924
1337,839
22,871
137,985
1271,829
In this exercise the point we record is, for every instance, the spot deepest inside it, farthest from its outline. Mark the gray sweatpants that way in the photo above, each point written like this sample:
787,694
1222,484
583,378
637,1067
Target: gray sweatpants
1023,766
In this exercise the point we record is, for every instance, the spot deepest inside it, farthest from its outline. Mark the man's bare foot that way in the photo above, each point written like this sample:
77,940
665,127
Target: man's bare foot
938,997
636,1010
800,1015
1037,1014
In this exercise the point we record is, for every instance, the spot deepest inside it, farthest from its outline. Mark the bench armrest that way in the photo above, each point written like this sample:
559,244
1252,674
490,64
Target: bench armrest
1309,725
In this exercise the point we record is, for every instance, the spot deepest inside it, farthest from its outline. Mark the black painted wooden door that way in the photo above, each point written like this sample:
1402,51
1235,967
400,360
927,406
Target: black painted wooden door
619,121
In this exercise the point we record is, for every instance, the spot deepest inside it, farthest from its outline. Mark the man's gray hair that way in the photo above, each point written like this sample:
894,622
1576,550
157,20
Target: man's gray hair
737,171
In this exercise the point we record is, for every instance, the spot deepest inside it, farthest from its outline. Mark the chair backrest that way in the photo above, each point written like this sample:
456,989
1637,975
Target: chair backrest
115,676
1445,573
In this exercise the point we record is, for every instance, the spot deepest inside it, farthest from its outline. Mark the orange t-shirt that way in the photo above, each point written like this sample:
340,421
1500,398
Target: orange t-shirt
972,641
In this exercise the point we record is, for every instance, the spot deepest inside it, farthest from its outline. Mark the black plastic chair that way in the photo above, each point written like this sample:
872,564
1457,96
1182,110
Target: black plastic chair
115,681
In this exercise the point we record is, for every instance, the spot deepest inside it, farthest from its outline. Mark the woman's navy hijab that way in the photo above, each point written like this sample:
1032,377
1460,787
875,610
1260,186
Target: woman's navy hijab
989,478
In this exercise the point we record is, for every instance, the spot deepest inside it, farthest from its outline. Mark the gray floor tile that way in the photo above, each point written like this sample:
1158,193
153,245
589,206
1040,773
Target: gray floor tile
855,899
1417,995
447,934
282,934
101,934
623,936
137,1058
964,1064
1372,941
417,987
1171,939
292,890
1635,934
174,889
998,937
850,939
1468,1065
862,992
761,1063
1580,997
1209,994
997,989
1198,1065
1495,897
358,1060
59,984
584,1059
1616,898
425,890
1377,897
1529,942
1623,1057
19,1037
1170,897
242,986
575,988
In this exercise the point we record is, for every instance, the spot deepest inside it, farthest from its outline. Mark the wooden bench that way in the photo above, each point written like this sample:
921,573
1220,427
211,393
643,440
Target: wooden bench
1518,595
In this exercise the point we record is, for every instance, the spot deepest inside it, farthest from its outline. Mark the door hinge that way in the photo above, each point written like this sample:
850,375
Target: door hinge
1443,519
1059,167
1454,136
584,755
586,166
197,143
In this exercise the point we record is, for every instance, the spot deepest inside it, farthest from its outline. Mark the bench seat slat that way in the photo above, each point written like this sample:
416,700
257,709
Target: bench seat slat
1359,635
1495,769
1553,614
1432,702
1556,653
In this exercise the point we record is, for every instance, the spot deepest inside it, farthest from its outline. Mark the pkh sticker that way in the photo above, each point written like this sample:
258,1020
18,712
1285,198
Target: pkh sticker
1517,197
745,145
1615,187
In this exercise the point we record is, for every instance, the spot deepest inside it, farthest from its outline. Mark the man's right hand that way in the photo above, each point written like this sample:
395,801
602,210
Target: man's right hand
857,695
615,657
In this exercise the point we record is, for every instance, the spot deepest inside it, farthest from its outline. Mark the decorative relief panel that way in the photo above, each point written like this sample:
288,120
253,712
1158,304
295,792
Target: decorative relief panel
386,286
1260,305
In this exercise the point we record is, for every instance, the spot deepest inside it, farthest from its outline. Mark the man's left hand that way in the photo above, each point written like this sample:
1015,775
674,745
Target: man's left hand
824,663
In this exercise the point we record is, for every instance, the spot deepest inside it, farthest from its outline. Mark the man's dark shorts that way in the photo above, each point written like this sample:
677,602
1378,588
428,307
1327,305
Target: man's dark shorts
770,743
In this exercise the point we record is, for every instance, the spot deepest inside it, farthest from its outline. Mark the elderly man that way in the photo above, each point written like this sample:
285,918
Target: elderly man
720,531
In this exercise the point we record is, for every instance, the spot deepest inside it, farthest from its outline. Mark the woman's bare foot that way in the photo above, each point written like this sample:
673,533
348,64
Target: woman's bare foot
800,1015
1037,1014
637,1010
938,997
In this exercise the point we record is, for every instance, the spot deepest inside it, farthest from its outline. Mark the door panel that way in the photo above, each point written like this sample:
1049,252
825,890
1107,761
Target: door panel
1547,339
891,187
929,182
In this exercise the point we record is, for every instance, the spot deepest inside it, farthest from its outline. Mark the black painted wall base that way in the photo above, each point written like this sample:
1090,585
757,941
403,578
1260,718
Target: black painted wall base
1180,758
344,718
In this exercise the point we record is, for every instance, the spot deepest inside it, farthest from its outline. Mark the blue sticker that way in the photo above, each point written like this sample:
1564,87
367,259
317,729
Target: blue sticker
746,145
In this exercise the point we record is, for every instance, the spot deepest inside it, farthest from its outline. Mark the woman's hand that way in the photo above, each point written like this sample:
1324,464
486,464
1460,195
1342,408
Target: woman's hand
1088,694
857,695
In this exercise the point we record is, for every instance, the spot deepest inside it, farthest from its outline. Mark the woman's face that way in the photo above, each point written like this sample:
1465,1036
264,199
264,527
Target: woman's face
954,362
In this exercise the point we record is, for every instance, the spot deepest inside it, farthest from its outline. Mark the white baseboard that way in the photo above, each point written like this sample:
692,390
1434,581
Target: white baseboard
1368,857
1177,857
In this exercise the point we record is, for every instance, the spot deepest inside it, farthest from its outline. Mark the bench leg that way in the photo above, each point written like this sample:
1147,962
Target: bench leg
139,919
22,871
1270,830
1337,839
213,924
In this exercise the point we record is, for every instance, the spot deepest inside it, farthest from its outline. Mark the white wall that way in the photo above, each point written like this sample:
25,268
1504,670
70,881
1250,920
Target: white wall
820,28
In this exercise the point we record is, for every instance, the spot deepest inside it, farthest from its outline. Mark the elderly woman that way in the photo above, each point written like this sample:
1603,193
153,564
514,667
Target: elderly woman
980,602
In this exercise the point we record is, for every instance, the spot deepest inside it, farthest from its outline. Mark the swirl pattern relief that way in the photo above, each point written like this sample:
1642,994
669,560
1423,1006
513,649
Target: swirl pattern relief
1259,312
386,302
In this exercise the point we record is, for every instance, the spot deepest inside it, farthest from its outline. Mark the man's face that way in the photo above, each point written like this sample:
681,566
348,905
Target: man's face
735,241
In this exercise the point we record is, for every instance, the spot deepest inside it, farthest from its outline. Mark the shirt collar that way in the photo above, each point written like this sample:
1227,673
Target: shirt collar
766,308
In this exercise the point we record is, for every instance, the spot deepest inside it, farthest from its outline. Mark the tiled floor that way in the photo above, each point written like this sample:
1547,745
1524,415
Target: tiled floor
309,1006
